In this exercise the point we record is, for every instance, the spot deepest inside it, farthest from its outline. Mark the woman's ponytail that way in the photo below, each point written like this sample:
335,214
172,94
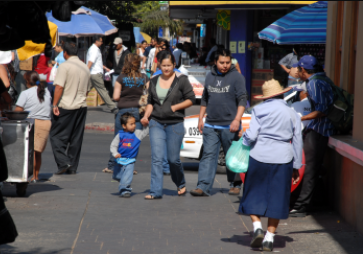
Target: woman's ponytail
41,90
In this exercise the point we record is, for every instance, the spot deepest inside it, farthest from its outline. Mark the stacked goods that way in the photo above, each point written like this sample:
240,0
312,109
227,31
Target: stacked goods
92,98
99,100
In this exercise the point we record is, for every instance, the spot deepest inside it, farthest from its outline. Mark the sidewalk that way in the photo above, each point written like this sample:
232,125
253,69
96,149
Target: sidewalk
83,214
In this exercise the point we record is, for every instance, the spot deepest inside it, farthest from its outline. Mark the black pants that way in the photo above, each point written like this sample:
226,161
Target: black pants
315,146
68,128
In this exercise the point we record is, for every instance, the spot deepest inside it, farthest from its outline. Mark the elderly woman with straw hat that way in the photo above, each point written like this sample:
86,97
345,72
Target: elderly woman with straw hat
275,140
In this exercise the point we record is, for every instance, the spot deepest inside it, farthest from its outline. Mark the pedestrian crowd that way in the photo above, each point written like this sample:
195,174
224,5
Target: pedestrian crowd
150,96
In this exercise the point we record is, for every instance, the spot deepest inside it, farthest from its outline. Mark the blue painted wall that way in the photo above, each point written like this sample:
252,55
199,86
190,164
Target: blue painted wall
242,30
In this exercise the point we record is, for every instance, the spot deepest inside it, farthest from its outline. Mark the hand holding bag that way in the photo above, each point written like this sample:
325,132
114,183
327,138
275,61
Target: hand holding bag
53,72
238,156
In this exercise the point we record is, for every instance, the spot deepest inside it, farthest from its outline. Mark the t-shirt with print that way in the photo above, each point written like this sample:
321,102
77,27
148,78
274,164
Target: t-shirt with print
131,91
29,101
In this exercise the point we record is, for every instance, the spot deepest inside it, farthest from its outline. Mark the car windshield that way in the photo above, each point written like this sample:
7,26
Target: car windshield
290,99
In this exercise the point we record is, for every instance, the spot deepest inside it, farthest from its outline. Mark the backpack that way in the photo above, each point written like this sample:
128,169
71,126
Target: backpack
340,113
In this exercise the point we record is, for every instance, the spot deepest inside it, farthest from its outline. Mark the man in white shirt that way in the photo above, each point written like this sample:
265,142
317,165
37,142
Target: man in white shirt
302,107
95,64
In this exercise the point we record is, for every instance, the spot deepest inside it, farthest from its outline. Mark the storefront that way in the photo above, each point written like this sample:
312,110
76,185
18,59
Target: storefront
237,28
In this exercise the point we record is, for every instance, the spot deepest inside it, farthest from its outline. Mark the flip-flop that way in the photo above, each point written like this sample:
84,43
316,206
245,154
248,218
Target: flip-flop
135,172
182,194
151,197
106,170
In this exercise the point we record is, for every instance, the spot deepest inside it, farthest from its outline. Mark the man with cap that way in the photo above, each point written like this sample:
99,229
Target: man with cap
96,67
316,133
116,58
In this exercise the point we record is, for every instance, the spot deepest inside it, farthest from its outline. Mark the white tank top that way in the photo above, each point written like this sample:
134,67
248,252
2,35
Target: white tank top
142,56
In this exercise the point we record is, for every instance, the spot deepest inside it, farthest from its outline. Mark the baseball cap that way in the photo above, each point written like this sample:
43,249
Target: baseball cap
301,87
117,41
295,65
308,62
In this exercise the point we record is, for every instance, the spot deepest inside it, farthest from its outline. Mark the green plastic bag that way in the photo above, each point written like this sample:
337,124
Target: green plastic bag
237,157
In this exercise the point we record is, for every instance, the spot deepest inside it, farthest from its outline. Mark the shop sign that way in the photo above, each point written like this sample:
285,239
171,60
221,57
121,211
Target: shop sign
242,47
224,19
125,35
160,31
233,47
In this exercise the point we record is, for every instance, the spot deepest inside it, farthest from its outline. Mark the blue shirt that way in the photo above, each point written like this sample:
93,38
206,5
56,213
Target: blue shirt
60,59
321,96
275,133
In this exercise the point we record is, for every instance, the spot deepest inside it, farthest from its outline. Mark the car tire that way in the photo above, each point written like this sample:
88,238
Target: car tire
221,167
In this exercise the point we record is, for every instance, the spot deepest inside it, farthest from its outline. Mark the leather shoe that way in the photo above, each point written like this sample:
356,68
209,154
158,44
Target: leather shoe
63,170
166,174
298,212
267,246
71,172
198,193
234,191
258,237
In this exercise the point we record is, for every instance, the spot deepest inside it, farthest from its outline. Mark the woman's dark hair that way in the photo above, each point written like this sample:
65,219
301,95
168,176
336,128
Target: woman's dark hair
60,44
222,52
143,42
165,54
125,118
70,48
32,78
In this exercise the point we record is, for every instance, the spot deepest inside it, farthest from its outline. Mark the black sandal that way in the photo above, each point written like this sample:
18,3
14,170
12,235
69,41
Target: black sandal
182,194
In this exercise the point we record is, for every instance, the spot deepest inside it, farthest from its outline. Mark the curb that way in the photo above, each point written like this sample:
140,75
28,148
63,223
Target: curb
104,127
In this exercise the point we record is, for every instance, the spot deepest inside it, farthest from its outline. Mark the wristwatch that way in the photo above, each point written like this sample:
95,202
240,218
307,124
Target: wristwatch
55,106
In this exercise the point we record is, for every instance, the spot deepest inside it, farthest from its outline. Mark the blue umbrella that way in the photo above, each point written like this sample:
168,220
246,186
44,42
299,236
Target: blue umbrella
306,25
84,22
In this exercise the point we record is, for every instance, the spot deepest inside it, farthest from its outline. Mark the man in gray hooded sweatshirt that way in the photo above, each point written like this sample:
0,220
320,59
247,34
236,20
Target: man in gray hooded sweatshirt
224,100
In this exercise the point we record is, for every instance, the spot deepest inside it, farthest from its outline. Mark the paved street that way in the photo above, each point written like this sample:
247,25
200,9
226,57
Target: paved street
82,214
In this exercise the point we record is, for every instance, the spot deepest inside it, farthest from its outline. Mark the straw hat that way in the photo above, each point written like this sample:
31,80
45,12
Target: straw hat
271,89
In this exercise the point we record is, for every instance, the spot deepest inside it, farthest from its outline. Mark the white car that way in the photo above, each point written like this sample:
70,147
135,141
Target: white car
192,146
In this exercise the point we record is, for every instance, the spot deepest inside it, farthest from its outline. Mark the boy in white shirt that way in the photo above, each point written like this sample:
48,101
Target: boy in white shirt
302,107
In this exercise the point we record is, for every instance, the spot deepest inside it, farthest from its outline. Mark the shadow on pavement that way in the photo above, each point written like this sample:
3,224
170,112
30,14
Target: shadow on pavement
245,240
9,190
8,249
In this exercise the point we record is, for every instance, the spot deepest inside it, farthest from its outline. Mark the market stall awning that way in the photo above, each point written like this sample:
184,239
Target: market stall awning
306,25
31,49
84,22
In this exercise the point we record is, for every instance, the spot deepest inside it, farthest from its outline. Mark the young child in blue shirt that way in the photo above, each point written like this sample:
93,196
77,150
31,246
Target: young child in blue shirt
125,147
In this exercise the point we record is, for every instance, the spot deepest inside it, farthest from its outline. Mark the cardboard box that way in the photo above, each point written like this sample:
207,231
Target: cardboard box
92,98
26,65
99,100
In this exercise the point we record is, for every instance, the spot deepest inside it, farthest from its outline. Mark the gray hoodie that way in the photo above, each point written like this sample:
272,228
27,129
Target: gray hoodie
222,95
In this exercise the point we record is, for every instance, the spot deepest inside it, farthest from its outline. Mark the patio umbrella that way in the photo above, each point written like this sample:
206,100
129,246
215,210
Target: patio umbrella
84,22
306,25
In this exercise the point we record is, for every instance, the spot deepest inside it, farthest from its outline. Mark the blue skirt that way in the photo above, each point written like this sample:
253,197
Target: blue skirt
267,189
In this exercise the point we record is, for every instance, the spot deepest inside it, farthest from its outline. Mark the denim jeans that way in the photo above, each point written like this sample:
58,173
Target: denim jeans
167,138
135,112
114,78
212,141
125,175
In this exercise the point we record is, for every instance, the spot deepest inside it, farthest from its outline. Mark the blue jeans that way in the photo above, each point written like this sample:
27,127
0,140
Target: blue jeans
125,175
112,165
114,78
212,141
167,138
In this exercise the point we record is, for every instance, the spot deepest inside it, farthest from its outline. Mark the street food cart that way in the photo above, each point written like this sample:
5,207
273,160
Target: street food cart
18,143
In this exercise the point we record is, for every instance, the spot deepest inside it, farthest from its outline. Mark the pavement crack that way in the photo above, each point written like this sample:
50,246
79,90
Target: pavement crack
80,224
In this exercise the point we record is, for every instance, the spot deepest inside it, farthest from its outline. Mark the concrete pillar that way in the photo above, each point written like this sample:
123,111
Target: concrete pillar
331,34
242,30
